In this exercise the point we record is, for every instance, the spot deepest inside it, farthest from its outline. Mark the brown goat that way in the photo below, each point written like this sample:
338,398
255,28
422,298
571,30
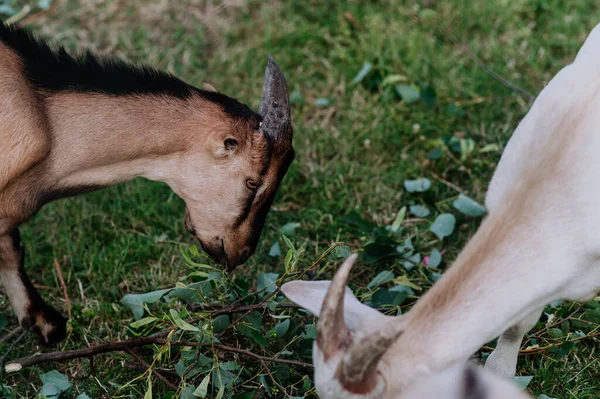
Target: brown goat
70,125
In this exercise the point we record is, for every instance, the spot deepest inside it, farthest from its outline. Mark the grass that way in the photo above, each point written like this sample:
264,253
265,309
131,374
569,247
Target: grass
353,154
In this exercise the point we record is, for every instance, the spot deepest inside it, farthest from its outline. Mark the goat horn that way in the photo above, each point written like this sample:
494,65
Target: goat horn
360,361
275,105
332,331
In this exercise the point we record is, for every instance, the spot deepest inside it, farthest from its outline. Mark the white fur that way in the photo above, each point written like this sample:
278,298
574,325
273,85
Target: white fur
538,244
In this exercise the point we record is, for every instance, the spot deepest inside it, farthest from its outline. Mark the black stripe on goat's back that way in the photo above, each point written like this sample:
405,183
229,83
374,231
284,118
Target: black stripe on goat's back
53,69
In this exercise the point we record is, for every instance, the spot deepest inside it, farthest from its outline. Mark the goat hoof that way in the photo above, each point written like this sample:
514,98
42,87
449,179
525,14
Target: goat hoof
50,325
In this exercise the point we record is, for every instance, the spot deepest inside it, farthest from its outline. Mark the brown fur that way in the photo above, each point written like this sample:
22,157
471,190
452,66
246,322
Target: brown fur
61,143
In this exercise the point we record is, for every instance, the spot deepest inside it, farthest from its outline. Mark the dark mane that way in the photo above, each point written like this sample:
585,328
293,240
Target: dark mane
52,68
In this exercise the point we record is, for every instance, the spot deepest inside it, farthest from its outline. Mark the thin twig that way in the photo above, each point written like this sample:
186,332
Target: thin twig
560,321
282,389
151,369
10,348
444,31
11,334
63,286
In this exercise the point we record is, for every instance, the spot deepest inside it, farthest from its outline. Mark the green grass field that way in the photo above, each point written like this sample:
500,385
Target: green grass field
358,138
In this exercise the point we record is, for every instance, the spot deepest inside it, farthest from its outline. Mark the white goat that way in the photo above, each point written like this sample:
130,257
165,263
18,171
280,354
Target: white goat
539,243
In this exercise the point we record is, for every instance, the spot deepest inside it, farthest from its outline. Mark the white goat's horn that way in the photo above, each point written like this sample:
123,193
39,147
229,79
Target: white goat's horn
359,364
332,332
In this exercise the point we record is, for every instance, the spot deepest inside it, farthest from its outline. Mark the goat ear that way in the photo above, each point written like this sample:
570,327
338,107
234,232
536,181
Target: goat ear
310,295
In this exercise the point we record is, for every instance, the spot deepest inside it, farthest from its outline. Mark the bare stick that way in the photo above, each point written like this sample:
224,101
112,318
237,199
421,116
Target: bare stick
158,339
63,286
18,364
152,369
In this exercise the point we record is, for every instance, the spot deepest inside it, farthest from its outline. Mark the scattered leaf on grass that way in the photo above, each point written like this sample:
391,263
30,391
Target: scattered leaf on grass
399,219
341,252
420,211
434,259
418,185
469,206
443,225
289,229
523,381
322,102
381,278
55,383
408,93
364,71
275,250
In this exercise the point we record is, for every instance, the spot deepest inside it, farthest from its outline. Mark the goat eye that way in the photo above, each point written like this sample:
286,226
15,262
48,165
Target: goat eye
252,184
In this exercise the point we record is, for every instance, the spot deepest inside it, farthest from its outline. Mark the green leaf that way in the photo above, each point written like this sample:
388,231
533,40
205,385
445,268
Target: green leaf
57,379
288,261
49,392
385,298
399,219
180,323
364,71
321,102
417,186
443,225
220,323
428,95
267,281
556,333
280,329
341,252
408,93
354,219
275,250
435,258
392,80
289,229
523,381
468,206
135,302
143,322
44,4
542,396
382,278
412,262
376,251
202,389
419,211
82,396
55,384
187,392
296,98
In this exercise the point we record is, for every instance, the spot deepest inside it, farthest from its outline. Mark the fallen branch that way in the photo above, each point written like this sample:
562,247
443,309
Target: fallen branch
18,364
126,346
